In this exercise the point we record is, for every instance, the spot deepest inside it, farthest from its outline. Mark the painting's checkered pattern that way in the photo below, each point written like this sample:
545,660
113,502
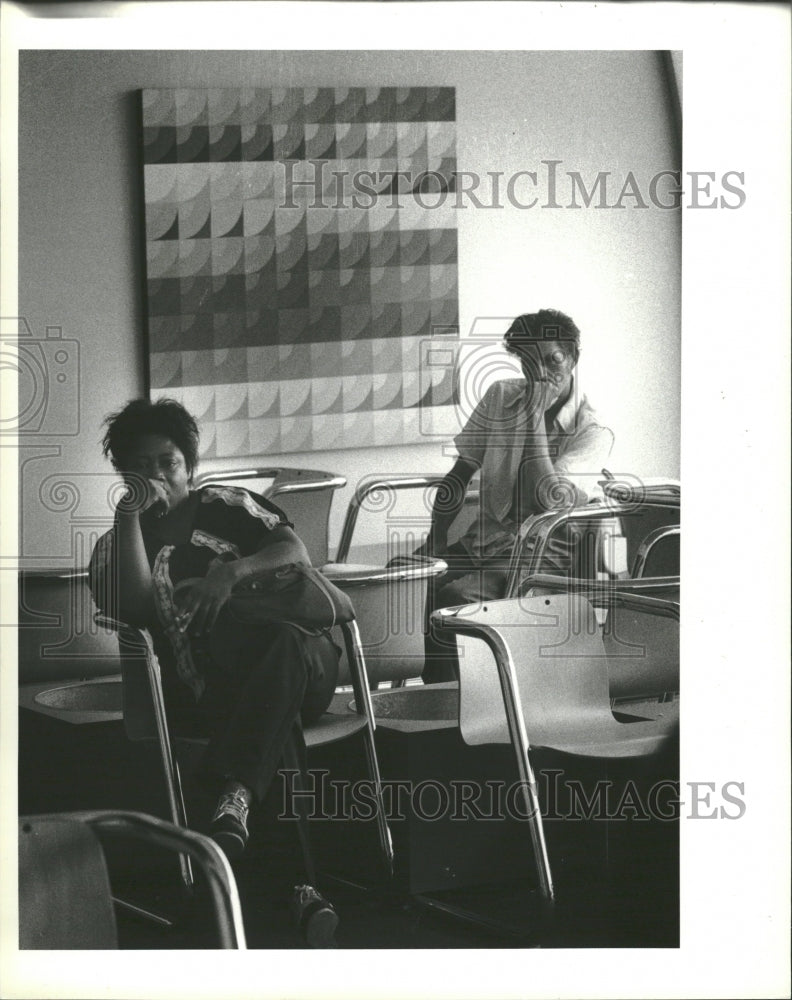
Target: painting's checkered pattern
290,308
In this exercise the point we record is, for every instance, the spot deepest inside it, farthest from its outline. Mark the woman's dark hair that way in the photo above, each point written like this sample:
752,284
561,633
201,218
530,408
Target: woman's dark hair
141,417
547,324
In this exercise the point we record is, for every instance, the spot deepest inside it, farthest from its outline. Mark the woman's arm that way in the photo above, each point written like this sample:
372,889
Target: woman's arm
201,599
135,590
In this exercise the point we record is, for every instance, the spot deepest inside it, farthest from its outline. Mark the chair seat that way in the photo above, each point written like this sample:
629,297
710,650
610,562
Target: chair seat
610,738
331,727
597,734
76,702
645,708
351,571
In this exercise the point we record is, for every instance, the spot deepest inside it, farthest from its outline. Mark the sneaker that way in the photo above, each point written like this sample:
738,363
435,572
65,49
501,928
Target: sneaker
229,824
315,917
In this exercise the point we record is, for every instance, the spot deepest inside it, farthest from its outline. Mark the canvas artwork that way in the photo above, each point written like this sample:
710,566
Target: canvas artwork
302,264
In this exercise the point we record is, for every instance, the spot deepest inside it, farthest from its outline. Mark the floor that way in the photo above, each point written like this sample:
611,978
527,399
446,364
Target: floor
618,890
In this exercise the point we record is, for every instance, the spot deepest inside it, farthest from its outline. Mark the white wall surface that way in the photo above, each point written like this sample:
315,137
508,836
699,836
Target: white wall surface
616,271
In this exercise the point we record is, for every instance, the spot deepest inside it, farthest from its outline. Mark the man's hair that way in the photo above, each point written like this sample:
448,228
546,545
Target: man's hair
547,324
139,418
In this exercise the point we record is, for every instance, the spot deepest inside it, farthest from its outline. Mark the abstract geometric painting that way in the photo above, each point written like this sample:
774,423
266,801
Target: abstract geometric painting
302,264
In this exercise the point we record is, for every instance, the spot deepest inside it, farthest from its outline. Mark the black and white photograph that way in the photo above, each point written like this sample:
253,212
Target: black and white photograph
353,358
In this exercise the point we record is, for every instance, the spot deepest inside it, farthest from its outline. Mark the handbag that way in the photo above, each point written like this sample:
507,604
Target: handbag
294,594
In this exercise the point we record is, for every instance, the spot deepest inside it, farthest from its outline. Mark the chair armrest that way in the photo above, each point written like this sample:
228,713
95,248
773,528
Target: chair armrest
131,634
408,568
285,480
454,621
306,486
112,624
530,544
594,589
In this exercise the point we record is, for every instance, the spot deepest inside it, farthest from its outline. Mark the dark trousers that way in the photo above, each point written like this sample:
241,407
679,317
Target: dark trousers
467,581
263,683
470,580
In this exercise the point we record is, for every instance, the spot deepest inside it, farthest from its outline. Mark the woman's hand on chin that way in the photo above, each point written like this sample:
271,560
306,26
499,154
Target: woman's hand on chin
144,495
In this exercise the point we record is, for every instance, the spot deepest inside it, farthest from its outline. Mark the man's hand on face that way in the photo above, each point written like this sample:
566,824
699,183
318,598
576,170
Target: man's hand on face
542,393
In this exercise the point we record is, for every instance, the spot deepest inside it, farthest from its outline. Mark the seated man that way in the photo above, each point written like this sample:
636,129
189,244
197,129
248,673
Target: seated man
539,445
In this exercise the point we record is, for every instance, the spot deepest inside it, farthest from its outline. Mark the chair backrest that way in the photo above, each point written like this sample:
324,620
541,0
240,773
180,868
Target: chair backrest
58,637
642,523
617,652
658,554
397,513
560,663
642,644
304,495
64,890
389,610
643,652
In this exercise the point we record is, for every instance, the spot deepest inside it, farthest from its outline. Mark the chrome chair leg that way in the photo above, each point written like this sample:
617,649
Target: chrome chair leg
363,699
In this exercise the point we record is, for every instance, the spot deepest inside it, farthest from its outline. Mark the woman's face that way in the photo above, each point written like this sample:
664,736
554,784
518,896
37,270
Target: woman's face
156,457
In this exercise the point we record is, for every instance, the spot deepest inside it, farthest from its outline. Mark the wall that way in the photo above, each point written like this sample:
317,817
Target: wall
616,271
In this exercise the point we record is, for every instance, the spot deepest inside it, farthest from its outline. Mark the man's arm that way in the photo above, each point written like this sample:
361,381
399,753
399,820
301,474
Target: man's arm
448,502
543,485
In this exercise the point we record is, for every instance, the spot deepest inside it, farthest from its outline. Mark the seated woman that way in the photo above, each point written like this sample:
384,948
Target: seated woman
169,564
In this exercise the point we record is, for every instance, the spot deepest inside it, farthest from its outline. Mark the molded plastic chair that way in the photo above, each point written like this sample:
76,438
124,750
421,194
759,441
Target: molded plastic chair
65,898
389,607
390,599
630,526
534,673
58,638
651,675
659,505
305,495
145,718
378,494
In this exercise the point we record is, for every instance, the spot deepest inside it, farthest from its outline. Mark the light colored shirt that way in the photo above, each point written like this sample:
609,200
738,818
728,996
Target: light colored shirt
496,437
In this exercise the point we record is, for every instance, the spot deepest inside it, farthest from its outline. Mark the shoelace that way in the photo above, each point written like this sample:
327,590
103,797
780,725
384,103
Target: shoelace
306,894
235,804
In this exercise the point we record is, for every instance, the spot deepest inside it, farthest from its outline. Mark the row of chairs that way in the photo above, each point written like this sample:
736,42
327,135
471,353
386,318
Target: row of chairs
580,685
